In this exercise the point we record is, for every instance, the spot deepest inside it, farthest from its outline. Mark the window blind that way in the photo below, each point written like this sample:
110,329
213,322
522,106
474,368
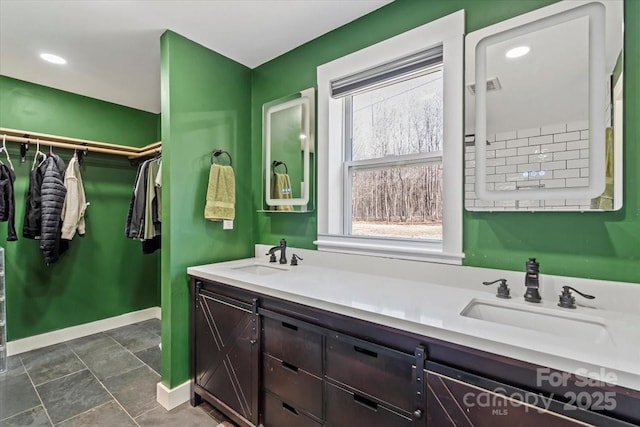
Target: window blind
419,61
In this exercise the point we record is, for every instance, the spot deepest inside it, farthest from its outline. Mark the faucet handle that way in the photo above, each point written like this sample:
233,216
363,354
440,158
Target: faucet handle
503,288
566,299
294,259
272,258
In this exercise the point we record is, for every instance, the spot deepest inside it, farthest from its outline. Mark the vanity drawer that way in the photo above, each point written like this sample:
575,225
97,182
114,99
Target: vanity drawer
293,343
345,408
293,384
277,413
372,369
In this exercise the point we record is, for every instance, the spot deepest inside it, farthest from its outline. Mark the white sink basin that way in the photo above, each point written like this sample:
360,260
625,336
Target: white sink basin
549,321
260,269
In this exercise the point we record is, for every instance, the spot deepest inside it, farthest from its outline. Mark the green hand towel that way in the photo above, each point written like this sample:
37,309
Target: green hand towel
221,194
281,189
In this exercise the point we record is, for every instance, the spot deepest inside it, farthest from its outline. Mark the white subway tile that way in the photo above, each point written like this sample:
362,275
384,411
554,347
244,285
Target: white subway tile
513,177
584,134
470,195
547,157
529,167
505,204
566,173
550,148
546,139
580,163
471,179
508,152
548,166
503,136
470,164
469,187
469,171
531,149
469,149
490,170
501,186
498,161
570,136
470,156
577,182
529,203
584,173
584,154
496,178
578,145
517,160
578,202
506,169
513,143
498,145
490,154
555,183
491,137
526,133
566,155
551,129
580,125
484,203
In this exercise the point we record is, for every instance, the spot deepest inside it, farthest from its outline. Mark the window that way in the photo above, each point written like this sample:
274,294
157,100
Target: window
390,141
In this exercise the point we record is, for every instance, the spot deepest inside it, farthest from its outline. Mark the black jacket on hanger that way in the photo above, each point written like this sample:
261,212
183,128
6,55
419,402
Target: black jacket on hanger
8,201
31,228
53,194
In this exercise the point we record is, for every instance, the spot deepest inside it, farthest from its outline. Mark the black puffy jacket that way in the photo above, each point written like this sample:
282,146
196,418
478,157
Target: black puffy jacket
8,201
53,193
33,211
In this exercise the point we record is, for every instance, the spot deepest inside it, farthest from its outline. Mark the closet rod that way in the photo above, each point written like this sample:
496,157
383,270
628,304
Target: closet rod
18,136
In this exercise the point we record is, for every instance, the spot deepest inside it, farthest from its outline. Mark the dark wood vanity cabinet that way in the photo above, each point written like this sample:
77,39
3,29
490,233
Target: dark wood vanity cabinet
226,353
265,361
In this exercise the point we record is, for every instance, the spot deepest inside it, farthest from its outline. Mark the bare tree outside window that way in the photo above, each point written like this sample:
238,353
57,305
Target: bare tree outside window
394,199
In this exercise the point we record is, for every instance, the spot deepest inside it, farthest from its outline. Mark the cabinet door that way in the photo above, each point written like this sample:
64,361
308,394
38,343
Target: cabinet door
452,401
226,356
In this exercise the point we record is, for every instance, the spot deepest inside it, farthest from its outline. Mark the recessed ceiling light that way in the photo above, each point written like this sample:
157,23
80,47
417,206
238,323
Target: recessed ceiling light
54,59
517,52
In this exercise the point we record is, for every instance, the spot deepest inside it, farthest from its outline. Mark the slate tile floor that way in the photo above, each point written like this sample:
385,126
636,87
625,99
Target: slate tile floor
106,379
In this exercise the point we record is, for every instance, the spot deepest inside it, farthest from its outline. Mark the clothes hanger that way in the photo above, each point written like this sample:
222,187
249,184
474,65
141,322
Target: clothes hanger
38,153
4,148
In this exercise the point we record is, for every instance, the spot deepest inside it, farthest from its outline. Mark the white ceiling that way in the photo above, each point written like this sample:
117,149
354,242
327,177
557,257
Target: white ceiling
113,47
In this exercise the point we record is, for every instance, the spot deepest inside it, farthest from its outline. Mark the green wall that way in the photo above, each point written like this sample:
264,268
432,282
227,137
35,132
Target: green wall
595,245
103,274
206,100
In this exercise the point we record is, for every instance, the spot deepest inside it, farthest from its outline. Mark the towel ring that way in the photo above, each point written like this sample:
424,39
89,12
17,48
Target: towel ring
215,153
277,163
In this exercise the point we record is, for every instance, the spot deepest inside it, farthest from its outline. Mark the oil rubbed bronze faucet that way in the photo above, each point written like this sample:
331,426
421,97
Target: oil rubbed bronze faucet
283,252
532,282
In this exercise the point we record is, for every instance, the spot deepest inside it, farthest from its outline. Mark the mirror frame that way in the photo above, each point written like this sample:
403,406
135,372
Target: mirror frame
596,14
306,100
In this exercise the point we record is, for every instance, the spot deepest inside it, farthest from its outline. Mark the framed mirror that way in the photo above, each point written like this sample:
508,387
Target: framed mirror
288,147
549,113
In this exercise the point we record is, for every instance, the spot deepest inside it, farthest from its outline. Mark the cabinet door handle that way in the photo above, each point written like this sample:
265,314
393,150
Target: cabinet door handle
289,408
365,351
417,413
290,367
253,341
367,403
289,326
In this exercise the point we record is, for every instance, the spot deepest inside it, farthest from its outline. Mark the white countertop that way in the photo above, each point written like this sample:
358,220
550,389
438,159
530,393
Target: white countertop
433,310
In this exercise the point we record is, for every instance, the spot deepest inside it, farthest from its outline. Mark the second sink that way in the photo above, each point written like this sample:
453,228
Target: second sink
541,320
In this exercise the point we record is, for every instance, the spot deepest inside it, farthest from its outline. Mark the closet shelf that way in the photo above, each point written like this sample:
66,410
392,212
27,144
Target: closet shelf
24,136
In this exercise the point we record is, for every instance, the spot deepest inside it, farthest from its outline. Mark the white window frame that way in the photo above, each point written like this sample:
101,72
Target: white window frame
332,236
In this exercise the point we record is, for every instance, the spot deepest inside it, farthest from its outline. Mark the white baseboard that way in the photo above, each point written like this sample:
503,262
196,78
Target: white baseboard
170,398
73,332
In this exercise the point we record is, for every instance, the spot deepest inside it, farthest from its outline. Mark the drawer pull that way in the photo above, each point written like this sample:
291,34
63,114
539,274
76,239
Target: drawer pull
367,403
289,326
289,366
365,351
289,408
